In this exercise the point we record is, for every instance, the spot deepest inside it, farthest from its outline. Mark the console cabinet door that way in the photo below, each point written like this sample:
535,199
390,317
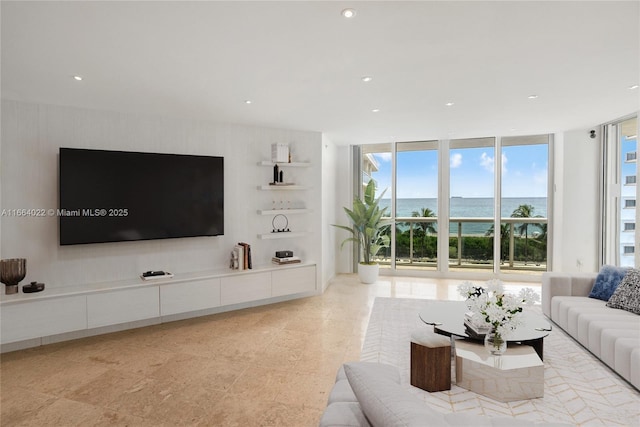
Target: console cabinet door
293,280
35,319
127,305
245,288
192,296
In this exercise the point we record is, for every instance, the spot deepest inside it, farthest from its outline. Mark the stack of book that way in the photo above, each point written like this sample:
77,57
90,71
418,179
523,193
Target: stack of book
475,328
286,260
241,257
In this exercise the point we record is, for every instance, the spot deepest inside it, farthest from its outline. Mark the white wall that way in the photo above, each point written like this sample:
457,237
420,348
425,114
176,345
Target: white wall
576,202
344,197
32,135
330,171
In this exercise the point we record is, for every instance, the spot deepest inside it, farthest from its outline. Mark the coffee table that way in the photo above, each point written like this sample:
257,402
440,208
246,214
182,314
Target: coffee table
516,375
447,319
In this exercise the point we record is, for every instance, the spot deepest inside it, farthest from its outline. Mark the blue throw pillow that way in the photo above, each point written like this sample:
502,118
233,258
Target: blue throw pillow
607,281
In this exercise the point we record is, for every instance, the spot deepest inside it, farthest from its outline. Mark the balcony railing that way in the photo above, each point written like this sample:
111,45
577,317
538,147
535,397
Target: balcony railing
524,249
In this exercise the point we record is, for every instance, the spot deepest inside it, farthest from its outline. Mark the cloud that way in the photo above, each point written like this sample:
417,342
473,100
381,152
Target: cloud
487,162
455,160
383,157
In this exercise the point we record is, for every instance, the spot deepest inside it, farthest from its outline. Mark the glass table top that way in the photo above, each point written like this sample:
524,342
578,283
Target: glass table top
447,318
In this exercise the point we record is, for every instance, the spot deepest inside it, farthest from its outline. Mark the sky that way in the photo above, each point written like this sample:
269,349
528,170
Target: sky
524,172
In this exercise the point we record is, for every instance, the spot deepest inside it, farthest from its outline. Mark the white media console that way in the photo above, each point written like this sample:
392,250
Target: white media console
30,320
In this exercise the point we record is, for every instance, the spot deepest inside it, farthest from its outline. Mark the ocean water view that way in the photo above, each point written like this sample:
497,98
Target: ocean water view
471,207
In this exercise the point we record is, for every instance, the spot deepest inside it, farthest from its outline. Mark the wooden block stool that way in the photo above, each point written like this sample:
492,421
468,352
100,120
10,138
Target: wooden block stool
430,361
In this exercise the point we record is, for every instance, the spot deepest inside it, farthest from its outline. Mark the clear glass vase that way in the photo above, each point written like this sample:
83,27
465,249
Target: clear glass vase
495,343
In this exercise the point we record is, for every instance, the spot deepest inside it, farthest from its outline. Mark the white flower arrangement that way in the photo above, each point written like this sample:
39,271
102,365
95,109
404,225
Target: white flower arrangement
494,308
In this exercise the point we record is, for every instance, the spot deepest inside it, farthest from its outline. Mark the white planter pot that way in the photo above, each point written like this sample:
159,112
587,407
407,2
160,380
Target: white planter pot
368,273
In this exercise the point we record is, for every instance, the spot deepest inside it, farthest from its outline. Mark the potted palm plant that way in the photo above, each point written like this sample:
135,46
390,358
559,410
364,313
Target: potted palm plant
367,228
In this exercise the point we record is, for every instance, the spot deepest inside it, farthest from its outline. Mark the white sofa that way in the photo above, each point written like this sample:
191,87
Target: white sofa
369,394
610,334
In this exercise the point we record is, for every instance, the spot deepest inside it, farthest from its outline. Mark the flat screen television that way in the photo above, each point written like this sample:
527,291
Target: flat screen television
114,196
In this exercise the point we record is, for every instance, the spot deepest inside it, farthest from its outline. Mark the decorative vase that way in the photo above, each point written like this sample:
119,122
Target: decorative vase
368,273
12,271
495,343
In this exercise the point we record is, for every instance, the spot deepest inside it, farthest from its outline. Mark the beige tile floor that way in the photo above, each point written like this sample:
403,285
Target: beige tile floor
265,366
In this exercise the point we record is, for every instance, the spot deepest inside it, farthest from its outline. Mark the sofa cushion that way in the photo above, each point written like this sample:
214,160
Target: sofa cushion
385,403
635,367
597,327
342,392
561,305
627,295
610,342
624,349
579,320
343,414
607,281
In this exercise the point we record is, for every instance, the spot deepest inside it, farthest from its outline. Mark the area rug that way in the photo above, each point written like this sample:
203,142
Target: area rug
579,389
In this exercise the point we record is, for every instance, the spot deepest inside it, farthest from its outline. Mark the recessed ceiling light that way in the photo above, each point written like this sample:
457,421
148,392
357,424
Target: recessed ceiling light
532,96
349,13
449,104
632,87
375,110
78,78
248,101
367,79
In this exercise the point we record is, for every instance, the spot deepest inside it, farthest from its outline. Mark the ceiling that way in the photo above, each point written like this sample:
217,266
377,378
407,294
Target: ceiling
301,63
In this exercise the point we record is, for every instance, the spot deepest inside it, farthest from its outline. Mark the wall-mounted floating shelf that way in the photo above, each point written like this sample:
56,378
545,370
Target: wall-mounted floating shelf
292,164
282,211
285,235
282,187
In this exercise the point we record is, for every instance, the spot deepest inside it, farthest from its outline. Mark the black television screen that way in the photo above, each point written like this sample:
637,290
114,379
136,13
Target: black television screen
113,196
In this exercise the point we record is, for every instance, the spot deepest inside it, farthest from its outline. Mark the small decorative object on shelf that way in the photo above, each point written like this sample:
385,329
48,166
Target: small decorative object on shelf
280,224
241,257
494,312
288,260
284,254
234,261
155,274
12,271
33,287
279,153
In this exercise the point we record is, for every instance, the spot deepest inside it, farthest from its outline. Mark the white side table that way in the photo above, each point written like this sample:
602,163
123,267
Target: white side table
516,375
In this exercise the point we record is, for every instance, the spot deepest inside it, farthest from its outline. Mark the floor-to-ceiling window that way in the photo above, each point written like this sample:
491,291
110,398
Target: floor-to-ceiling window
376,164
471,205
524,188
416,242
446,199
620,192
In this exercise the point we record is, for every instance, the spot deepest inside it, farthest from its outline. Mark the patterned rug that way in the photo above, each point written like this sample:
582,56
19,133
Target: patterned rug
579,389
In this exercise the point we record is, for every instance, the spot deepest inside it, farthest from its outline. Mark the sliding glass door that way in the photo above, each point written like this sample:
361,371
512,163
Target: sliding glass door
471,204
524,203
463,205
416,221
